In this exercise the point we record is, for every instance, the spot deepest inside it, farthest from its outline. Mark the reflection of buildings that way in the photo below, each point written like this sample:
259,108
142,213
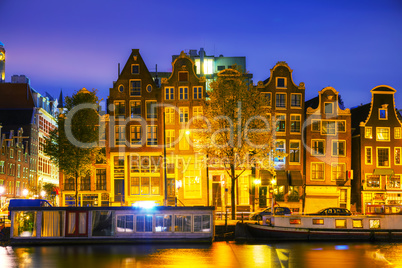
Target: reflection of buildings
377,145
328,152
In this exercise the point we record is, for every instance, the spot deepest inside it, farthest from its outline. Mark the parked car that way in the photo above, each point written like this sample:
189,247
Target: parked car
333,211
277,211
27,203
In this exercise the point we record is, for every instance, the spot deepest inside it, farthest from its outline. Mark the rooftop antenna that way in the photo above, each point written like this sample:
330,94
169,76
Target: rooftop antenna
118,69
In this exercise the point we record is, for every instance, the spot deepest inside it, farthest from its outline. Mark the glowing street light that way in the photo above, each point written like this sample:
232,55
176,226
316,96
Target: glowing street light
2,190
25,192
43,193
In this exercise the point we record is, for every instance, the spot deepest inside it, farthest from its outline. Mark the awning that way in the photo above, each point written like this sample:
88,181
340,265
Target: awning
266,177
383,171
281,178
296,178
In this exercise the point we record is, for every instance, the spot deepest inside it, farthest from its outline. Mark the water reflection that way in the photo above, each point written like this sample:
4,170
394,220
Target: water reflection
219,254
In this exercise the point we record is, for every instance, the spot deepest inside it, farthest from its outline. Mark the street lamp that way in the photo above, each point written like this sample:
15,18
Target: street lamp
25,192
273,183
2,189
43,193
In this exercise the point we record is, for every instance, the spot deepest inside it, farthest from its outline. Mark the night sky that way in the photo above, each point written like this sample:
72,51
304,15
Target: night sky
352,46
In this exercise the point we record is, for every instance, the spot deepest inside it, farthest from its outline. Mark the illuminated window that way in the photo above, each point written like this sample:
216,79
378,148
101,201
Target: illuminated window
135,108
294,151
340,223
183,93
281,82
294,221
135,135
135,68
318,221
369,155
170,138
397,132
152,138
281,123
295,100
120,135
368,133
197,111
397,155
382,114
182,223
338,171
315,125
243,190
151,109
163,223
374,224
338,148
382,133
357,223
280,100
373,181
135,87
328,108
318,147
394,182
183,76
382,157
183,143
183,112
317,171
169,115
197,93
341,126
169,93
328,127
295,123
281,150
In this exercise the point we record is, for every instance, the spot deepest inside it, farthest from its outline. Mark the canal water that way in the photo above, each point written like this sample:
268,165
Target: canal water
218,254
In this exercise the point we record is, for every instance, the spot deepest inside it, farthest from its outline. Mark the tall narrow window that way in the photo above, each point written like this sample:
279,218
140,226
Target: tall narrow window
169,115
183,93
135,108
368,133
120,137
268,98
281,150
152,138
135,68
295,100
119,109
281,82
280,100
295,123
382,157
397,155
315,125
317,147
294,152
183,111
328,108
317,171
151,110
369,155
135,87
169,93
170,138
135,135
338,148
197,93
397,132
281,123
382,114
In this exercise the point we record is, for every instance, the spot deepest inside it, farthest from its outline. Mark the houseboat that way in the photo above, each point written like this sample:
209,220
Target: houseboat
44,225
304,227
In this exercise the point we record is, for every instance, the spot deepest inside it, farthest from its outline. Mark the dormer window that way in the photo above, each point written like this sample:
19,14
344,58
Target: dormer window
328,108
281,82
383,112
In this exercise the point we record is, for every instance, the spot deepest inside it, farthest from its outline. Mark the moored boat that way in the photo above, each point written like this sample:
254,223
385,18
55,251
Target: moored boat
303,227
43,225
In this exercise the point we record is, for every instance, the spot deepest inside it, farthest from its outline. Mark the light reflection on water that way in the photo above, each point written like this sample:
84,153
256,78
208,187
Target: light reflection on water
219,254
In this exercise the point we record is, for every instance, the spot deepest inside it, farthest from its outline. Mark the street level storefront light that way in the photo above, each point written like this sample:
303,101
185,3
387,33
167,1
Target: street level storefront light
144,204
2,189
257,181
43,193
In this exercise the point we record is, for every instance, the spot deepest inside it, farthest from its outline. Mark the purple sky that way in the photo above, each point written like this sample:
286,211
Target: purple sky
352,46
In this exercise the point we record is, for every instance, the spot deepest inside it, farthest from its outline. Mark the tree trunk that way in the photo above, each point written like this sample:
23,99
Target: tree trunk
76,189
233,196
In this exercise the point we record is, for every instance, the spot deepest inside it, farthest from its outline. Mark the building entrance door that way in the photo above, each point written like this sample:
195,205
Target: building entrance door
263,196
119,190
76,223
216,191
